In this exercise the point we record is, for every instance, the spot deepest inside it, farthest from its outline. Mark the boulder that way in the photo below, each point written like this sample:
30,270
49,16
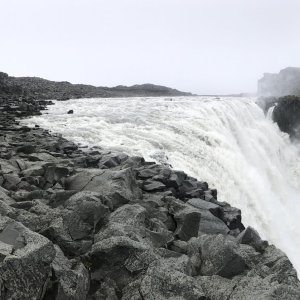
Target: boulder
153,186
186,217
163,282
119,186
69,281
209,224
26,149
26,259
108,259
251,237
220,256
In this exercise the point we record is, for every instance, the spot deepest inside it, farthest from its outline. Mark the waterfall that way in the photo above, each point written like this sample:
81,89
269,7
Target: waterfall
225,141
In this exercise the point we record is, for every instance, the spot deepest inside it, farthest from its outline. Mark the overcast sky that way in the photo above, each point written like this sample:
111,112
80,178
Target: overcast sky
202,46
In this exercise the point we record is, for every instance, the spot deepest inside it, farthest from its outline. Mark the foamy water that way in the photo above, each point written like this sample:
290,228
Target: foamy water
227,142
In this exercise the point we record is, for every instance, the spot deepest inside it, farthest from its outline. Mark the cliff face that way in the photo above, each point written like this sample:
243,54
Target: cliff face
287,115
286,82
45,89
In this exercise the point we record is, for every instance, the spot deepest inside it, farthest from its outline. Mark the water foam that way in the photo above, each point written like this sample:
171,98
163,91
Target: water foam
227,142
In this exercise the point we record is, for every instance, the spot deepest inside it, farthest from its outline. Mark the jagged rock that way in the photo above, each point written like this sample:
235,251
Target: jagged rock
161,282
25,261
70,279
85,212
220,256
251,237
232,217
209,224
119,186
153,186
108,259
36,170
286,114
11,181
54,173
186,217
45,157
58,233
26,149
179,246
5,198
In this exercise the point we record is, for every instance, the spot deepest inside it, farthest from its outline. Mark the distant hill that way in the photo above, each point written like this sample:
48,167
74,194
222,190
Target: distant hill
286,82
45,89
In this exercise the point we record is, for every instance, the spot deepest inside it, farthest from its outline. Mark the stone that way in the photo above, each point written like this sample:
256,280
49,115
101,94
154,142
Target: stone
220,256
161,282
153,186
70,279
209,224
186,217
251,237
232,217
25,270
26,149
119,186
108,259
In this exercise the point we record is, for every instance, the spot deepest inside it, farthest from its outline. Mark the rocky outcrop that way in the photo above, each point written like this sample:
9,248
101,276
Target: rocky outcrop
103,225
286,114
38,88
286,82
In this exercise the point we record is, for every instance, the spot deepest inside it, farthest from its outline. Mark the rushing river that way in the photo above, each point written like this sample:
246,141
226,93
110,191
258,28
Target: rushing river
227,142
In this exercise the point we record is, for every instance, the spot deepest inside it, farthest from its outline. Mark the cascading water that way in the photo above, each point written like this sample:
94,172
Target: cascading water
227,142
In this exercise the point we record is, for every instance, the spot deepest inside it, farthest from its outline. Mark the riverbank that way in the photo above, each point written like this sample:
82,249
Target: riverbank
102,225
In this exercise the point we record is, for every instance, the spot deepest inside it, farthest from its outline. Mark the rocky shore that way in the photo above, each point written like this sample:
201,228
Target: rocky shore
101,225
286,113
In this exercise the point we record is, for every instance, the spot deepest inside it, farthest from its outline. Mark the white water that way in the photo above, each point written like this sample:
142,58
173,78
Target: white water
227,142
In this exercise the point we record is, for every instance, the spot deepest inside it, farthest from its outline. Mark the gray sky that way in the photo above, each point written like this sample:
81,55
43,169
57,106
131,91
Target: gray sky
202,46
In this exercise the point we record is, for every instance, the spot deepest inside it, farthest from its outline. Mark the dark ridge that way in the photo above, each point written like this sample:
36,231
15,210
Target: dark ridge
45,89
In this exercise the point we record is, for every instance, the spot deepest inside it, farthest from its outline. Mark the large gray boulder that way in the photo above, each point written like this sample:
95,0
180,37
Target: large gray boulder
119,186
209,224
26,259
220,256
164,282
69,281
187,219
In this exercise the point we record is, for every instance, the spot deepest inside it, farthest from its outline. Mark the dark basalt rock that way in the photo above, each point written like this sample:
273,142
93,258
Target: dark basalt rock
287,115
102,225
